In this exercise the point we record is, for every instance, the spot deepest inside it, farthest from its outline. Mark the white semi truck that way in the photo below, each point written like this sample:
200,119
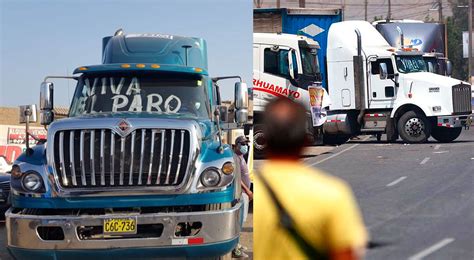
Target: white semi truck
373,87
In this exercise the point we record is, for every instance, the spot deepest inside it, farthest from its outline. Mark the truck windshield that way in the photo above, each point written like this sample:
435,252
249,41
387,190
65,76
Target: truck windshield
161,94
309,60
408,64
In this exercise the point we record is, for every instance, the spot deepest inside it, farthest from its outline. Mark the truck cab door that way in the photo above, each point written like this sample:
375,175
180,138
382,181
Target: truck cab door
257,72
382,92
276,75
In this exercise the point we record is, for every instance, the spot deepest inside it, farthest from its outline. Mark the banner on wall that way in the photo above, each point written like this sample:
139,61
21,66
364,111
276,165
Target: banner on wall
17,135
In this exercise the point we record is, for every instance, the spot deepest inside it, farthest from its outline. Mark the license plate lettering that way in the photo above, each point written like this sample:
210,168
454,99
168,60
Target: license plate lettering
115,226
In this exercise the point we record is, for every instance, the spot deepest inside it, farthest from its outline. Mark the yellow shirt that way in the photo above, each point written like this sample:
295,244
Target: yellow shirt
322,206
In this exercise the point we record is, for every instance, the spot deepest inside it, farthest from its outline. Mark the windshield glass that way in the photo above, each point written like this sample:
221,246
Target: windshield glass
161,94
408,64
309,60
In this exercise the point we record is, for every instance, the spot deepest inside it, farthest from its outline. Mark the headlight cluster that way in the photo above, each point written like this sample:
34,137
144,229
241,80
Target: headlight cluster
32,181
212,176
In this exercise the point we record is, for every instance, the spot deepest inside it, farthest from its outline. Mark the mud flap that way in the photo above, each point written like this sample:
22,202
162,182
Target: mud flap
391,130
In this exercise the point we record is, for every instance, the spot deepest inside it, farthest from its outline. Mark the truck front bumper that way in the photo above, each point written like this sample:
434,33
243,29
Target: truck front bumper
218,235
454,121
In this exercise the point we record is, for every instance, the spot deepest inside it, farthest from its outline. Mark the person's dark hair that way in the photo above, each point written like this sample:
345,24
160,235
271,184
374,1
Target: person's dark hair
285,127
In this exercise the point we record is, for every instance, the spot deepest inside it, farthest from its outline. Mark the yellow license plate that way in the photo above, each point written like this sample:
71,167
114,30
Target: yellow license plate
120,226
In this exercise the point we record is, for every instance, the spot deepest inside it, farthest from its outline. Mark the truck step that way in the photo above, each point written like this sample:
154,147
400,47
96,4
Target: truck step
372,130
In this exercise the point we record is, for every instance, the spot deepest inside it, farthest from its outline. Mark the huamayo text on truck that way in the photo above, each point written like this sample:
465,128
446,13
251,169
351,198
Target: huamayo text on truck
139,168
374,88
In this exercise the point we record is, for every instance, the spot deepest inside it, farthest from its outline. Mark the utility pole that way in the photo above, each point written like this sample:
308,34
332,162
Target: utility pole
365,7
469,47
302,3
440,11
343,6
278,3
389,15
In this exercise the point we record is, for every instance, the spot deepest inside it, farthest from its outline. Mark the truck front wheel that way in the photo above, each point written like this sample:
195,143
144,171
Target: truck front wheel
446,135
258,142
414,127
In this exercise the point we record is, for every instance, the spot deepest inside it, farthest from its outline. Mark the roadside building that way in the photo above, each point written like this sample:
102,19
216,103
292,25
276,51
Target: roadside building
12,133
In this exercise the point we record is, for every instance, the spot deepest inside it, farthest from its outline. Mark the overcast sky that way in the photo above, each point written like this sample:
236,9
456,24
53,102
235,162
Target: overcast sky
40,38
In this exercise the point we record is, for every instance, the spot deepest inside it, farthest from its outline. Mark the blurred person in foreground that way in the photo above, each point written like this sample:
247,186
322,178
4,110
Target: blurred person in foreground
300,212
241,148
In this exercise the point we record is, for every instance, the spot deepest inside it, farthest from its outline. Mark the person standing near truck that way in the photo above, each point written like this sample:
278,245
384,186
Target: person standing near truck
241,148
301,213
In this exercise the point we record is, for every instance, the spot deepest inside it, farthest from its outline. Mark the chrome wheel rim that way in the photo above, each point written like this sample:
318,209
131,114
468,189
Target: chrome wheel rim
414,127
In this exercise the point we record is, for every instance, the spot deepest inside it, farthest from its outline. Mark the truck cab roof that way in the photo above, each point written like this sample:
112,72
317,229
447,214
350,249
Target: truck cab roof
342,40
281,39
155,48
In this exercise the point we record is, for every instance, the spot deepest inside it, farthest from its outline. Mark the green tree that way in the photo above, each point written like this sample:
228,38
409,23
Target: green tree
455,26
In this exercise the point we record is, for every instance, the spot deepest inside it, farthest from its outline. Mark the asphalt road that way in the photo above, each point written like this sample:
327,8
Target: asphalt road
417,200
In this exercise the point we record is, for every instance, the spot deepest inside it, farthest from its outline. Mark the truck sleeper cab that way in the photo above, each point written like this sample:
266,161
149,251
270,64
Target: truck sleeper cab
138,168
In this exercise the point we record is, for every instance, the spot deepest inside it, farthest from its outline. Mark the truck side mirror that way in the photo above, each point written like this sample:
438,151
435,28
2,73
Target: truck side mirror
449,68
46,103
383,71
223,113
291,64
27,114
241,103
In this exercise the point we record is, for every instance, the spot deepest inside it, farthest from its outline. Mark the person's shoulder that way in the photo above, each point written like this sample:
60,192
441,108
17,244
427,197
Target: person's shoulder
320,182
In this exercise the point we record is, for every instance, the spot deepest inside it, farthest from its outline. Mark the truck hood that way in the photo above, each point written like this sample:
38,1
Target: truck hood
431,78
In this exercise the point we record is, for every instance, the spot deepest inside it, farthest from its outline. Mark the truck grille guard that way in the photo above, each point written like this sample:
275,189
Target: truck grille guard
462,99
114,153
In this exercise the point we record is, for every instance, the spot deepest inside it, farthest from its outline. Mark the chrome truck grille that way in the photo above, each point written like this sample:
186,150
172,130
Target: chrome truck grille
462,99
91,158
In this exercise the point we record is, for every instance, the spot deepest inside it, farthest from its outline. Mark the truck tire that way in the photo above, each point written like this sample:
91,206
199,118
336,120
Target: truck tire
331,139
414,127
446,135
258,142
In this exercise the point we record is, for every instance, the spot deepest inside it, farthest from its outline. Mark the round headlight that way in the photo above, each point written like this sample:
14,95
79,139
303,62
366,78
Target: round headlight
210,178
32,181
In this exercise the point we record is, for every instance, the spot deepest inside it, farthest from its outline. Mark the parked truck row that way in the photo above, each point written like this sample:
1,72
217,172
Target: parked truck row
373,87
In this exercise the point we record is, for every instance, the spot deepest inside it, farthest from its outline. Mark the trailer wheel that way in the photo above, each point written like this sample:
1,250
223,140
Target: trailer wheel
446,135
338,139
258,142
414,127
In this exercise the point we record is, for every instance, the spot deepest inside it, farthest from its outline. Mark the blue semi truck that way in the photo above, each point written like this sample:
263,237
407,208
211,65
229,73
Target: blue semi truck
138,169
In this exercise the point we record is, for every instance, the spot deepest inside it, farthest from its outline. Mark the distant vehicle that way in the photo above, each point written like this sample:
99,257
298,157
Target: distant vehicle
4,166
4,193
429,38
